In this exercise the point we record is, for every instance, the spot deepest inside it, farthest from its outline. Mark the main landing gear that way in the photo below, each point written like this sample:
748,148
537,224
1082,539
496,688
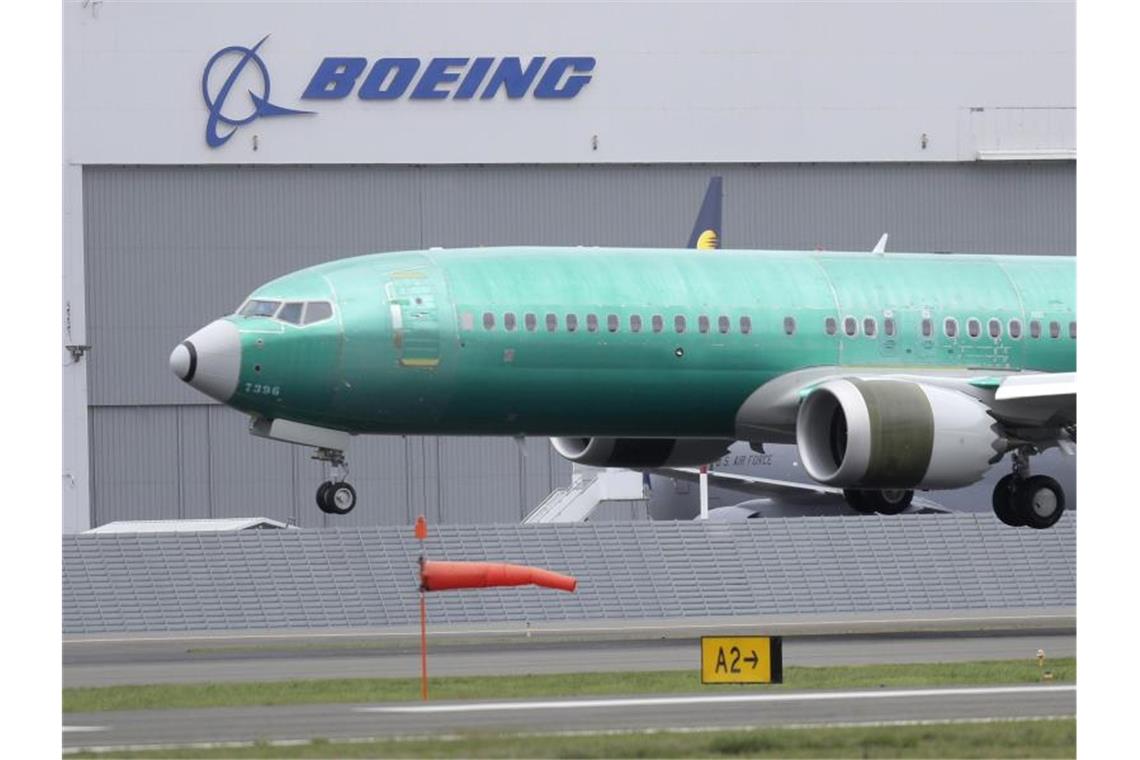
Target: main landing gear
890,501
1021,499
335,496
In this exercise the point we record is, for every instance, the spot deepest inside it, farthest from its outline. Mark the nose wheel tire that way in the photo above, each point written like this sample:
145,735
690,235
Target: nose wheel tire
1040,501
336,498
891,501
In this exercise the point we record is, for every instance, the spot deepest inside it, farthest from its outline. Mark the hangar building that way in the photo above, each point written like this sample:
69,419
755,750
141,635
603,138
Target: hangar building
210,147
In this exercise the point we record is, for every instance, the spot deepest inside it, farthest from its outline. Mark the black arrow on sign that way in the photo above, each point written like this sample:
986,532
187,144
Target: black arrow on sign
754,659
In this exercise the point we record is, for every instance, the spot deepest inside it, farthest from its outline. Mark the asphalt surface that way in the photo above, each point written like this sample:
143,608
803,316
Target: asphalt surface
180,661
267,656
167,727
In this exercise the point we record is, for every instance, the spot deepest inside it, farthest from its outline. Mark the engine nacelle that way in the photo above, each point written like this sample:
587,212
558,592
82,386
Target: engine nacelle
854,433
637,453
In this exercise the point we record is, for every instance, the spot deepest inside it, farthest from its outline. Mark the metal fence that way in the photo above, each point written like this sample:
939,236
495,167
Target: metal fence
367,576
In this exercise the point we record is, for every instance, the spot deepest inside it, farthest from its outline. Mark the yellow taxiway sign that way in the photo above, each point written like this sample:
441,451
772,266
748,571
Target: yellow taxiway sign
742,659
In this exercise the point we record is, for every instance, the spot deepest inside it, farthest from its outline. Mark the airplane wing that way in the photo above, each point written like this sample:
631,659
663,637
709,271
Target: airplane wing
747,483
769,488
1058,385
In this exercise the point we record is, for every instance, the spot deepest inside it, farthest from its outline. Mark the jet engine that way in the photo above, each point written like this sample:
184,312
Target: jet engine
875,434
636,453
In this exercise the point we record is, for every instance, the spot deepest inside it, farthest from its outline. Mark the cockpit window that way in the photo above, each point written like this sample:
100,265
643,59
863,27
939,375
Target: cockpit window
317,311
255,308
291,312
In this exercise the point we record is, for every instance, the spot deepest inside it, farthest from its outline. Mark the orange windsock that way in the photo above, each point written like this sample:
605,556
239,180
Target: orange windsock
440,576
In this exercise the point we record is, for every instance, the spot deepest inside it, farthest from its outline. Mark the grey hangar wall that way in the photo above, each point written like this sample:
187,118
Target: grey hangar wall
169,248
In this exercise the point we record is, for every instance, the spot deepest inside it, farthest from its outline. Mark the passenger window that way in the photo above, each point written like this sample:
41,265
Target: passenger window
466,319
850,326
679,323
551,322
830,326
722,324
869,327
973,327
658,323
488,320
509,321
745,325
612,323
635,323
950,326
571,322
1073,330
1034,328
592,322
789,325
995,328
1054,329
927,327
1015,328
703,324
531,322
889,327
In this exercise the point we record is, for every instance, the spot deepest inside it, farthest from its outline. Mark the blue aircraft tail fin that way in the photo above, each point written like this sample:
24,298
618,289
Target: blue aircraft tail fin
707,231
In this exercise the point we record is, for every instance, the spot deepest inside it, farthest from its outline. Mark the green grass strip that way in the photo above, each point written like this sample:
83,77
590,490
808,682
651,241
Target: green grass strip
224,694
999,739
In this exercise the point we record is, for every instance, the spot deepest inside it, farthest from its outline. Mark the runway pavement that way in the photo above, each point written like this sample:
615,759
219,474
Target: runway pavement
180,661
171,658
750,708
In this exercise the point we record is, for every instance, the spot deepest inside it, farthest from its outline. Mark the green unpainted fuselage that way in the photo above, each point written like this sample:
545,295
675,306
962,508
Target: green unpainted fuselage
407,349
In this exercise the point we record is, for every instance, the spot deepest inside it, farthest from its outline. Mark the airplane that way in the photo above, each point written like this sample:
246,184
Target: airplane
748,484
890,372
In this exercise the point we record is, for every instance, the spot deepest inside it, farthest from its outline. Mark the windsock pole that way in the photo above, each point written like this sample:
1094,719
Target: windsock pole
423,645
421,534
441,576
704,489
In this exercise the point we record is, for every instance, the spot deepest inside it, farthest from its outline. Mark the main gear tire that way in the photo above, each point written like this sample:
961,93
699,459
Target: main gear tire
1040,501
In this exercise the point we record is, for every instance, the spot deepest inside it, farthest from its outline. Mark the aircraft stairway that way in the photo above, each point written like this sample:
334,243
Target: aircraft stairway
589,487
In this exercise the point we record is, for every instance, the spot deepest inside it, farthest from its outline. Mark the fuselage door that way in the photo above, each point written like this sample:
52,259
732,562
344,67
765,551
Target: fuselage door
414,311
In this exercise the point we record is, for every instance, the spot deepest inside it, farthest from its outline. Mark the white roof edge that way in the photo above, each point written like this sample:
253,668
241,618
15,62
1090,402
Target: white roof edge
214,525
1029,154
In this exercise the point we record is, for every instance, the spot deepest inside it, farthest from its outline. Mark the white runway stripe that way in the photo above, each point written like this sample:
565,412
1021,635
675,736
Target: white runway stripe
82,729
896,625
579,704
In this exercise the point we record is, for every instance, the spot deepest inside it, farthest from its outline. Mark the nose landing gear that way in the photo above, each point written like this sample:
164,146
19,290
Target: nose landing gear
1020,499
335,496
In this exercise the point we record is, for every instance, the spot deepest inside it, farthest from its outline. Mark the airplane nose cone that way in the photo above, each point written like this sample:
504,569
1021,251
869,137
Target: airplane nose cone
180,361
210,360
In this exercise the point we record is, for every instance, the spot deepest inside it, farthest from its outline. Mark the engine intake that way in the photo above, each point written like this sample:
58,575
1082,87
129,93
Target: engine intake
637,453
854,433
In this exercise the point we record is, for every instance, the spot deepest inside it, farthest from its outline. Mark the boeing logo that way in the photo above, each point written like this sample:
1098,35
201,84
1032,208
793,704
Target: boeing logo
387,79
457,78
238,58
